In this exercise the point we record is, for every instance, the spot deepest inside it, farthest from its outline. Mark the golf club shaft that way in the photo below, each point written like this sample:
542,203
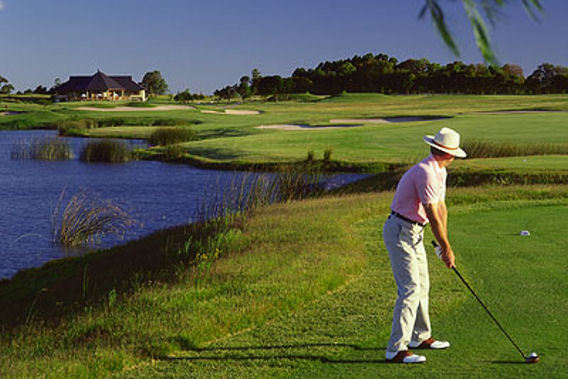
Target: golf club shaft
488,312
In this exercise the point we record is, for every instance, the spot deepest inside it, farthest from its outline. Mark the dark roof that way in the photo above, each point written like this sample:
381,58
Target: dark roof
98,82
127,83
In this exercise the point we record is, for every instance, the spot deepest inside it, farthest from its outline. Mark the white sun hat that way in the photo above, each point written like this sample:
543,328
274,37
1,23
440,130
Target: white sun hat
448,141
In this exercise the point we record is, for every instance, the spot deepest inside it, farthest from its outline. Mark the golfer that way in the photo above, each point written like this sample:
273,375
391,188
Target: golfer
419,199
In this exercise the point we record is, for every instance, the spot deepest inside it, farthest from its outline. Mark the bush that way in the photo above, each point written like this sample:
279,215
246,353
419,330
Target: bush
170,136
106,150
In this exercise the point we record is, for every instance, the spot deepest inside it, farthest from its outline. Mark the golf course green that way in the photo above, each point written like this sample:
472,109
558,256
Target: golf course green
304,288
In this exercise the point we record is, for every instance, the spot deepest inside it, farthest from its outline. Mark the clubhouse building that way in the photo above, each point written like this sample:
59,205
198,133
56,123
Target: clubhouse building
100,87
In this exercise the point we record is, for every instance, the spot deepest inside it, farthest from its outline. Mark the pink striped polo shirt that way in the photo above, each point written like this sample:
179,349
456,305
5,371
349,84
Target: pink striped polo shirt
423,183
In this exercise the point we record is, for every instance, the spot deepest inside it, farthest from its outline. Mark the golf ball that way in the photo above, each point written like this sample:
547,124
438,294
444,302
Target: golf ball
533,354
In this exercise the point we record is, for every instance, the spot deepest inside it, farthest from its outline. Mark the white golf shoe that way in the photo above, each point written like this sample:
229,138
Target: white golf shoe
429,343
404,357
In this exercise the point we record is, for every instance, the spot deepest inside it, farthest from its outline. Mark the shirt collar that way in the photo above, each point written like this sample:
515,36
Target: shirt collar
432,162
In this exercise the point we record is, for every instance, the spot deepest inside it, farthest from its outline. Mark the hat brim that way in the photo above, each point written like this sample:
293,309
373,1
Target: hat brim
459,153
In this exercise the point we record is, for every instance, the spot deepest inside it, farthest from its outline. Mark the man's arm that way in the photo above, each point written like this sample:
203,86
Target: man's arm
438,216
444,214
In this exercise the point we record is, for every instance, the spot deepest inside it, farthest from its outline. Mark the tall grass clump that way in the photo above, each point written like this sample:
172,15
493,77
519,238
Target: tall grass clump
47,148
86,218
251,190
169,136
105,150
75,125
486,149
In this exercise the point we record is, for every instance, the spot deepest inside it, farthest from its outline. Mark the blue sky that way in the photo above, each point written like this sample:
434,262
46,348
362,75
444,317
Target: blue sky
205,45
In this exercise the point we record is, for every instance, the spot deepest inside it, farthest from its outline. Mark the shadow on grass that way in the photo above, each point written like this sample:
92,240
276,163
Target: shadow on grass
215,153
289,346
280,356
507,362
223,132
319,358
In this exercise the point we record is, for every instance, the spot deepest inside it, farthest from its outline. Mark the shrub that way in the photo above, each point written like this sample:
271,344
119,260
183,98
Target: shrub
105,150
170,136
48,148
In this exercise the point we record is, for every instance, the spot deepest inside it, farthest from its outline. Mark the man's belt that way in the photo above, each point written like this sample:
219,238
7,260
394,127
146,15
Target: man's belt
407,219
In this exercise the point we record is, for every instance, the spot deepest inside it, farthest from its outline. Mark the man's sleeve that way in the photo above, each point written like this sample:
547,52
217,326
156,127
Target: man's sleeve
428,188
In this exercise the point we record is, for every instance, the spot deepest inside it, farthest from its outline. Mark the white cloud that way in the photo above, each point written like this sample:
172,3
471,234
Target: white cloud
1,5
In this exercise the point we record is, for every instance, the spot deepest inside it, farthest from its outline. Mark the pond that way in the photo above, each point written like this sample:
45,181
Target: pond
159,195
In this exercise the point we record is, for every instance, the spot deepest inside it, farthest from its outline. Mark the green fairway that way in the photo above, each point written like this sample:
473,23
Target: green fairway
521,279
234,139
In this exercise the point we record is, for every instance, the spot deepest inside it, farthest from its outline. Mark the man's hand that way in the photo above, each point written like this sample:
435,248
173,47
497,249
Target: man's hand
448,258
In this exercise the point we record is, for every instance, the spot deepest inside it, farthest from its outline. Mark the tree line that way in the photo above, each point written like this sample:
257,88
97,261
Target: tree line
383,74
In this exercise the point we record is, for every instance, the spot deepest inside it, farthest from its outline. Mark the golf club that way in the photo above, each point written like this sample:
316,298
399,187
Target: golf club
532,357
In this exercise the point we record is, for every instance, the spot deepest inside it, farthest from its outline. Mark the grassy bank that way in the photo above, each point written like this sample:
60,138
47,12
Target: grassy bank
302,289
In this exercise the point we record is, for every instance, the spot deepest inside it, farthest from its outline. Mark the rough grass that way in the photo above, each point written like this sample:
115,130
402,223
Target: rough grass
488,149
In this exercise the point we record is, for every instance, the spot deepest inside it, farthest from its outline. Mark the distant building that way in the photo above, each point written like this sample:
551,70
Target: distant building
100,87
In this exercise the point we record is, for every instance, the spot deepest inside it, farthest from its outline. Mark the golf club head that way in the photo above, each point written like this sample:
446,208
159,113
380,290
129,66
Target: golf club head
532,358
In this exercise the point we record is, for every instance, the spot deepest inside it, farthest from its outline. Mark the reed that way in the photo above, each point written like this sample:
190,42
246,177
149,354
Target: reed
169,136
41,148
86,218
106,150
249,191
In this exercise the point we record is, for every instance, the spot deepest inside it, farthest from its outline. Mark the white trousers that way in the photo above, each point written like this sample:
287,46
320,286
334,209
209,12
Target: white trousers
405,245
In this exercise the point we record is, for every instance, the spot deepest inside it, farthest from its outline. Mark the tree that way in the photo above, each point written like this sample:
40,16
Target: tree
154,83
244,88
5,86
184,96
40,90
490,11
6,89
270,85
256,76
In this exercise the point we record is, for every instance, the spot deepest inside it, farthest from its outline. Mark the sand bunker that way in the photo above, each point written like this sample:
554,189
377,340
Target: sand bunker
138,109
348,123
232,111
10,113
382,120
303,127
